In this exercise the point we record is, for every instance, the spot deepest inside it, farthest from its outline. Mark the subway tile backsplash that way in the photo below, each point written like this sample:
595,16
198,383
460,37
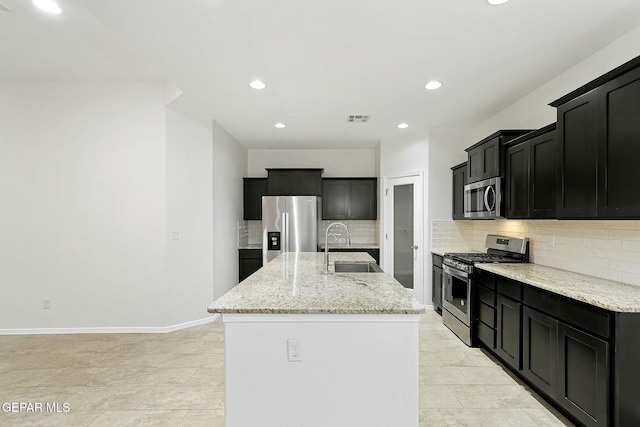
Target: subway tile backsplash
605,249
250,232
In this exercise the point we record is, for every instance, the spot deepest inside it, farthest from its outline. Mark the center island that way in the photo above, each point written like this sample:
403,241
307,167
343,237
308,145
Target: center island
307,348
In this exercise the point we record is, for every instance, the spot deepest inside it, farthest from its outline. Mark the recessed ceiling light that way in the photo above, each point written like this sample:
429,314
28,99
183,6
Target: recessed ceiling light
403,126
433,84
257,84
280,125
496,2
48,6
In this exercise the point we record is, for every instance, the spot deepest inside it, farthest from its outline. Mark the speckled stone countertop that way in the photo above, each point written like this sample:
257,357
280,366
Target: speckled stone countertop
294,283
607,294
250,246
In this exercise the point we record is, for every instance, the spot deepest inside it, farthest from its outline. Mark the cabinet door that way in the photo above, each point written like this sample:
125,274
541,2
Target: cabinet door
363,199
619,146
254,189
508,331
577,148
517,177
542,176
540,350
250,261
583,375
459,181
335,199
436,287
307,183
491,158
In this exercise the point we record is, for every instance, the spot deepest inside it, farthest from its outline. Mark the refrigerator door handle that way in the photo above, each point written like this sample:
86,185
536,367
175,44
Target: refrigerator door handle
285,231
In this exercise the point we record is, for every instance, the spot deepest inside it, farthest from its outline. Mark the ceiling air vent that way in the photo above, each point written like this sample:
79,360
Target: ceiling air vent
358,118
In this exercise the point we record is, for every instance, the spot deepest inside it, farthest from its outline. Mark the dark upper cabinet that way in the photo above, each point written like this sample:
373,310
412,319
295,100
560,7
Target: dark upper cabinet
350,198
485,159
577,164
253,190
531,175
459,180
599,146
294,182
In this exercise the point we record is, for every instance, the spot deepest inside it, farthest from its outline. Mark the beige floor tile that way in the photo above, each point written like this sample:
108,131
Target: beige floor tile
70,419
26,377
441,375
152,418
431,418
548,418
192,397
204,419
98,399
197,360
494,396
437,396
487,418
487,375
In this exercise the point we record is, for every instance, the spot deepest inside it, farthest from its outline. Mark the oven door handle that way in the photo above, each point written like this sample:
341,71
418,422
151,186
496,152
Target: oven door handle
454,272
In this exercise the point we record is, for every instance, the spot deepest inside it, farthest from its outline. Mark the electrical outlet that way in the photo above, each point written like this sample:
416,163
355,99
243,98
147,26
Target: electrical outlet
294,350
46,303
175,235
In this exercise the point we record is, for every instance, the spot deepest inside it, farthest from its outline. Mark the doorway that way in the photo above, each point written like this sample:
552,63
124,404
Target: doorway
404,232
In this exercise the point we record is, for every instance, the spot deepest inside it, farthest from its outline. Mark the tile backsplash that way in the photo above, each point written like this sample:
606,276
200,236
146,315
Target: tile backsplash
605,249
250,232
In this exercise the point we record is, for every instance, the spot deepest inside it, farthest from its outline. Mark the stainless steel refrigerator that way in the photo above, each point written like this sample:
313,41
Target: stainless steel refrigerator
289,224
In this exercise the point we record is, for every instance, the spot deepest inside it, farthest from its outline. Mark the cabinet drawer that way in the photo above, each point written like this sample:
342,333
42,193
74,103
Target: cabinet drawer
487,296
509,288
486,279
584,316
486,334
487,314
541,300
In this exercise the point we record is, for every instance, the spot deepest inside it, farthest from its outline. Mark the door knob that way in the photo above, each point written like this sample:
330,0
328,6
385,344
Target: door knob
414,247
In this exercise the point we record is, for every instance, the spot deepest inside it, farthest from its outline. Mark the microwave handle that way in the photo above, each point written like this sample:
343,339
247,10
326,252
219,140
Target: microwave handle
486,198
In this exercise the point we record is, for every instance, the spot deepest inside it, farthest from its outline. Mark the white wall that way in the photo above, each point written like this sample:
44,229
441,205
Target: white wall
400,156
189,283
82,184
229,166
532,111
336,163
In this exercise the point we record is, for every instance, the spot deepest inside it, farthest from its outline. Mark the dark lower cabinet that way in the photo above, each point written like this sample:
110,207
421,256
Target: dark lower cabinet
436,282
540,350
508,330
250,261
583,375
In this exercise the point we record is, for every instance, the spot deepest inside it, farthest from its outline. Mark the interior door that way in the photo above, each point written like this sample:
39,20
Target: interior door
403,232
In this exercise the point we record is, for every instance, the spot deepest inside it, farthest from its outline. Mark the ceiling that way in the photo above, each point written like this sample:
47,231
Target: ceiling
321,60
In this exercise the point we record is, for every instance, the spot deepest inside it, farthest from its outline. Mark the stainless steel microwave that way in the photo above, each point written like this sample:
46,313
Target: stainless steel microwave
483,199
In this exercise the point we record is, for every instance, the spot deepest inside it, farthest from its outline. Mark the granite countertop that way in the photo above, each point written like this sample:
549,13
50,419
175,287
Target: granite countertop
250,246
294,283
353,246
607,294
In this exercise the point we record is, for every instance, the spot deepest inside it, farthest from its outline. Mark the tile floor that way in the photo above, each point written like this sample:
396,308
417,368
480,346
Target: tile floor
177,379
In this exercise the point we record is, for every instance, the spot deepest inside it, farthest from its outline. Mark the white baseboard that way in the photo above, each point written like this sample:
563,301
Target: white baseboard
110,330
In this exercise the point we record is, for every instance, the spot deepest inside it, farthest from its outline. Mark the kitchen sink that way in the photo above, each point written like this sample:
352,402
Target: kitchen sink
356,267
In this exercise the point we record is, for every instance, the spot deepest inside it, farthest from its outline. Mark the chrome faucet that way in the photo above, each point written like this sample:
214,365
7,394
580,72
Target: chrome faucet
326,242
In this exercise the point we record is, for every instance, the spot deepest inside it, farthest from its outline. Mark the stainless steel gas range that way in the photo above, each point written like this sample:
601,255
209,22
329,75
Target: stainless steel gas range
457,281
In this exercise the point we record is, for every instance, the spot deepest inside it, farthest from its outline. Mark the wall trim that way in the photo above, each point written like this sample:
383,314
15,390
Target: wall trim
110,330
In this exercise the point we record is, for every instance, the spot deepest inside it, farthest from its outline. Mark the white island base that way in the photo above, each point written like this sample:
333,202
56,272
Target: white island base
356,370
